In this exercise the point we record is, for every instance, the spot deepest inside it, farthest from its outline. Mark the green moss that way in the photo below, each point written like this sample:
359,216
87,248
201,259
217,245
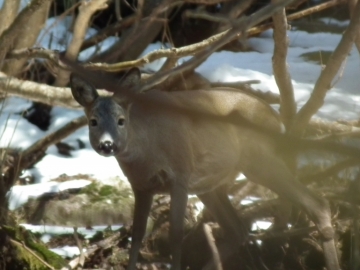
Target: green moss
32,251
100,192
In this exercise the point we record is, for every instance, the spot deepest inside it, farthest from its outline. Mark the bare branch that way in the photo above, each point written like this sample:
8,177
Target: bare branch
108,31
197,47
323,84
54,96
281,73
240,26
211,44
306,12
170,53
10,34
233,10
27,156
201,14
51,55
314,9
325,128
86,11
133,41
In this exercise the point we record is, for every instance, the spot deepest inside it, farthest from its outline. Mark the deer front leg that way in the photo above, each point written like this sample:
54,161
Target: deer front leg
143,202
179,198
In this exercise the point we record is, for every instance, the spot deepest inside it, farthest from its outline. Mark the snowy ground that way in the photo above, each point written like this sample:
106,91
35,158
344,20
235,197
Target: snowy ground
342,102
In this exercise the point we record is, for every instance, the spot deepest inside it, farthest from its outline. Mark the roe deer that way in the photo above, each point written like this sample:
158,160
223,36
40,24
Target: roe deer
191,146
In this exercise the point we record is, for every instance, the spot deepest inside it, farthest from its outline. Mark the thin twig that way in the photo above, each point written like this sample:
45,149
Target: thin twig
297,15
79,245
108,31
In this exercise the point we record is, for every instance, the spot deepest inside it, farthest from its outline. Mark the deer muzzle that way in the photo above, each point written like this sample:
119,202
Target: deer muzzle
107,148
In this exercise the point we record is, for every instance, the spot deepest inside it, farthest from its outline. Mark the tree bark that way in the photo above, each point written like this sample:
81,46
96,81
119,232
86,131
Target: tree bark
9,36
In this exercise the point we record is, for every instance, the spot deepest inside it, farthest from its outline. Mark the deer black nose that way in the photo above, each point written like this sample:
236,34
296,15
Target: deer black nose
107,147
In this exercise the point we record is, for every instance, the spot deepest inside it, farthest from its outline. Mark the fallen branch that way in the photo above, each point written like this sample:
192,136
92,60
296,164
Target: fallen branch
33,253
211,241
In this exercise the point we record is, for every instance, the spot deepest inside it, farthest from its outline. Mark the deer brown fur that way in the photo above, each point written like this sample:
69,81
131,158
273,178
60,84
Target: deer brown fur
185,148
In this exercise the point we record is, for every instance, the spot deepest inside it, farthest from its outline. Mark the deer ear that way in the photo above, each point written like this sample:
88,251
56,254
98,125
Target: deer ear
83,92
131,79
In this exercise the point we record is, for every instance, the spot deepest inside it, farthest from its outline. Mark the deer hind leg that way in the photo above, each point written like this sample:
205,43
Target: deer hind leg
219,205
271,172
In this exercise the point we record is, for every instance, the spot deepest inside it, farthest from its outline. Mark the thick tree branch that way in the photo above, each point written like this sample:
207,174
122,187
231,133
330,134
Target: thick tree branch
280,69
27,37
10,34
323,84
8,13
54,96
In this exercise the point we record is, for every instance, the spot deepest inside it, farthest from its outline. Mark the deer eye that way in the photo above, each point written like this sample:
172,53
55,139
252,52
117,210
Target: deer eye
121,121
93,122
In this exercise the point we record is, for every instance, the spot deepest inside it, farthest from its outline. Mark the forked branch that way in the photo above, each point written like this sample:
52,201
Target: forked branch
323,84
86,11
